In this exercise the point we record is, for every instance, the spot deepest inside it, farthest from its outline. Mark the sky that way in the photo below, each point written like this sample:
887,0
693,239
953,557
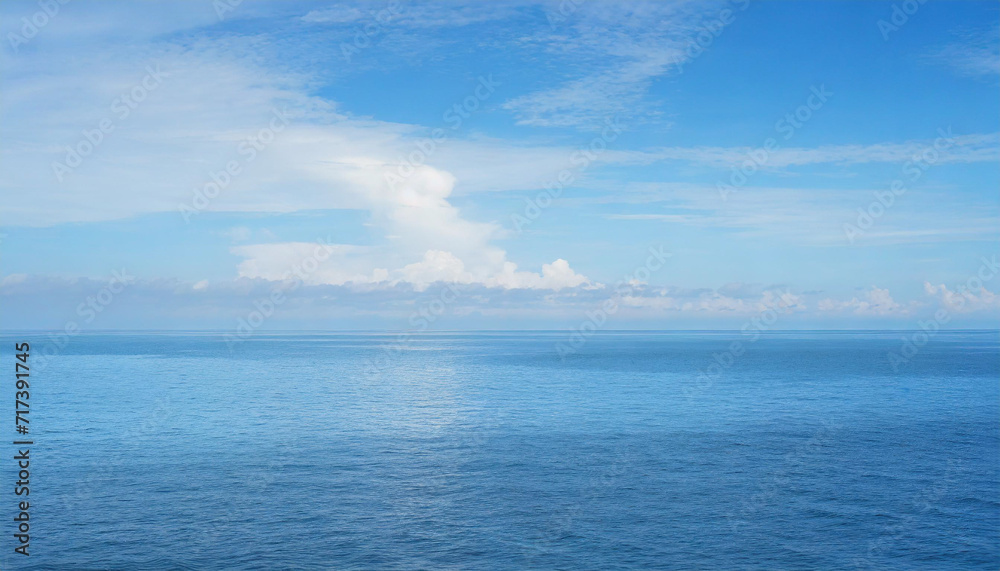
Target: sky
505,165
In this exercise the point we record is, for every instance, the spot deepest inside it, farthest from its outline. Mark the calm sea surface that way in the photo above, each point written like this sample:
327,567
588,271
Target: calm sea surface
490,451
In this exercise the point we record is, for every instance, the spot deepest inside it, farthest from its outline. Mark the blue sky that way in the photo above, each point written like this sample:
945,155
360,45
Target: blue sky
527,155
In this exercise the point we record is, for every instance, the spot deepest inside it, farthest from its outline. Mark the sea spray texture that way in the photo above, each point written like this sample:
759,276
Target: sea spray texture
490,451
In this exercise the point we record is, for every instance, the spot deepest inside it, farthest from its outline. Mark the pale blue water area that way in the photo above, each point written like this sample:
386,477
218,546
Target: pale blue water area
490,451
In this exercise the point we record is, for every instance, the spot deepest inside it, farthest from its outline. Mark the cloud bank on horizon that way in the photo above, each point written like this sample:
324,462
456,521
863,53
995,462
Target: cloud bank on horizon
688,164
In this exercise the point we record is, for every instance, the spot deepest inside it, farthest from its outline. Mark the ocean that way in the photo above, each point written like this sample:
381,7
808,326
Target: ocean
496,450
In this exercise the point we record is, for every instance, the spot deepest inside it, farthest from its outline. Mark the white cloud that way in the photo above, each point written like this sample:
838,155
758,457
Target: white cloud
965,148
877,301
587,102
808,215
312,262
47,302
965,300
626,47
413,15
555,276
198,120
436,266
238,233
335,15
345,265
716,302
975,53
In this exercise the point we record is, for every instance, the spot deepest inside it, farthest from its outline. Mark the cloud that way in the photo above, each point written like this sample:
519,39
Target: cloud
555,276
335,15
313,263
339,264
238,233
413,15
975,53
250,139
809,215
965,148
48,302
557,291
965,300
876,302
35,301
625,46
716,302
224,85
587,102
209,110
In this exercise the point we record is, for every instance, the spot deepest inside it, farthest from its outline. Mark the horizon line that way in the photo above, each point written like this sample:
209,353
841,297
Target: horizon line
444,331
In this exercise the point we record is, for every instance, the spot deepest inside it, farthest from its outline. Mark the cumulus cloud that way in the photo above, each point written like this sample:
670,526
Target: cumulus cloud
318,159
338,264
555,276
436,266
965,300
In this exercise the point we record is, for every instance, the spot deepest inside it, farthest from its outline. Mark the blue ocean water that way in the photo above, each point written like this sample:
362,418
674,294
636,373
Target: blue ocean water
492,451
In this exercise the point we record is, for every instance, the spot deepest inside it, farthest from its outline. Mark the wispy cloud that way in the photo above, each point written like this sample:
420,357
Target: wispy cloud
414,15
624,46
807,215
967,148
974,53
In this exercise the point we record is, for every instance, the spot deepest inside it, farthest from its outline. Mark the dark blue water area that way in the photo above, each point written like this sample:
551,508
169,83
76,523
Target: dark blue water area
636,450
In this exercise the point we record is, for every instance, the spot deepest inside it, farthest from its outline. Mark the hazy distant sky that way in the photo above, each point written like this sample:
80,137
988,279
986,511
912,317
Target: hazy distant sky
635,115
